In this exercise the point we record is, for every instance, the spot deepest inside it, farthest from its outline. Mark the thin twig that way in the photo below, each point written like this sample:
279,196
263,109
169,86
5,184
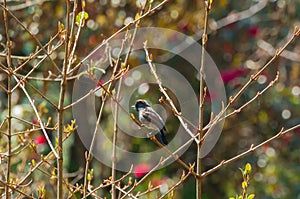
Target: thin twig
250,150
182,179
252,78
33,36
89,156
162,90
43,160
93,91
80,25
23,80
293,56
42,95
26,4
15,189
258,94
149,12
35,55
128,193
162,162
3,88
38,117
149,190
105,184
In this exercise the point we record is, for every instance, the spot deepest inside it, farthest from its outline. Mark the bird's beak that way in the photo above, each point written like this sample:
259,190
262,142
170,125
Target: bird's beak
133,106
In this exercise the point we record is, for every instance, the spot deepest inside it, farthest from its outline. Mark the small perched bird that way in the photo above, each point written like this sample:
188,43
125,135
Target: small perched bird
151,119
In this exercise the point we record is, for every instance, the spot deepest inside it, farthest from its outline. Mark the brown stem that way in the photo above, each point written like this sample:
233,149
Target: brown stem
201,103
115,136
60,112
9,102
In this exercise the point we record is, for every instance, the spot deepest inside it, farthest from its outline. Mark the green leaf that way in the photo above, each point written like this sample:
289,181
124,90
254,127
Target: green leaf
81,16
251,196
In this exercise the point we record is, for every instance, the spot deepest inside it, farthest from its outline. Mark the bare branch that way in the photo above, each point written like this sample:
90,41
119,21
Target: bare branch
162,90
250,150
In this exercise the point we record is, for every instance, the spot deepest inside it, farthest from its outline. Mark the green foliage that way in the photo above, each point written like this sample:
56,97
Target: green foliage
81,17
246,172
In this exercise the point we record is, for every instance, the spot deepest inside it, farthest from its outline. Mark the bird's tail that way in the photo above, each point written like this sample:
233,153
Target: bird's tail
162,136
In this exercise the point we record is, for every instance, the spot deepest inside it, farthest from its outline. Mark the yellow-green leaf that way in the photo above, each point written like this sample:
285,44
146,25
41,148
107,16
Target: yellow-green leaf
244,185
81,17
33,163
251,196
137,16
248,168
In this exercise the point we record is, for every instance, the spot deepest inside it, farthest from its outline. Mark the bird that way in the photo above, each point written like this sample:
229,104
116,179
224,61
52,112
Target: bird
151,119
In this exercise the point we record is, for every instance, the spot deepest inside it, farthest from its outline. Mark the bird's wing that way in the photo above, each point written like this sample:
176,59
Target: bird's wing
153,120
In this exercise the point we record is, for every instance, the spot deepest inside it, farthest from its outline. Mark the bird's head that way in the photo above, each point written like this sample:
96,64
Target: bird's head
141,104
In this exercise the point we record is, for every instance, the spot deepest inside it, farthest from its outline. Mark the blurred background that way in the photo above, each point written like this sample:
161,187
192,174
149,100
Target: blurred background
243,36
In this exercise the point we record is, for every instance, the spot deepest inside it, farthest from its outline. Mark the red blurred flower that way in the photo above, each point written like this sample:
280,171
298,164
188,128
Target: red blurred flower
253,31
35,121
227,76
184,26
141,170
228,48
156,182
92,40
40,139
